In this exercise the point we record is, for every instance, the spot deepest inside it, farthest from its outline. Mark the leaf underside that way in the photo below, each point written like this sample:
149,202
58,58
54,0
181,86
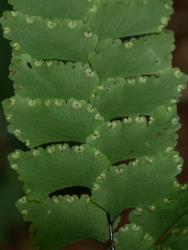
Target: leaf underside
124,24
166,220
31,78
56,214
40,37
121,97
47,163
114,58
95,103
58,9
58,120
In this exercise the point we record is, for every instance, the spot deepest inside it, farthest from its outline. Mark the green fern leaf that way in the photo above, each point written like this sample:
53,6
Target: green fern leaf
116,59
166,220
58,79
78,218
97,75
177,242
58,168
121,97
61,9
133,237
130,18
39,37
137,183
133,137
50,120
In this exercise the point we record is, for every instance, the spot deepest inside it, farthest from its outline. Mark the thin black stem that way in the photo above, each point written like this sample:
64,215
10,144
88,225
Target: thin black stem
111,240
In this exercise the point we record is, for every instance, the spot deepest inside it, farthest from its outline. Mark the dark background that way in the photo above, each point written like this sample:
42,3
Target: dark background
13,232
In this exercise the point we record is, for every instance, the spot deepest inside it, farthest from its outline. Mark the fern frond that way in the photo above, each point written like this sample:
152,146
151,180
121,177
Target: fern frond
166,220
130,18
49,39
50,120
60,80
97,75
47,163
134,238
59,9
137,183
143,56
121,97
134,136
87,221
